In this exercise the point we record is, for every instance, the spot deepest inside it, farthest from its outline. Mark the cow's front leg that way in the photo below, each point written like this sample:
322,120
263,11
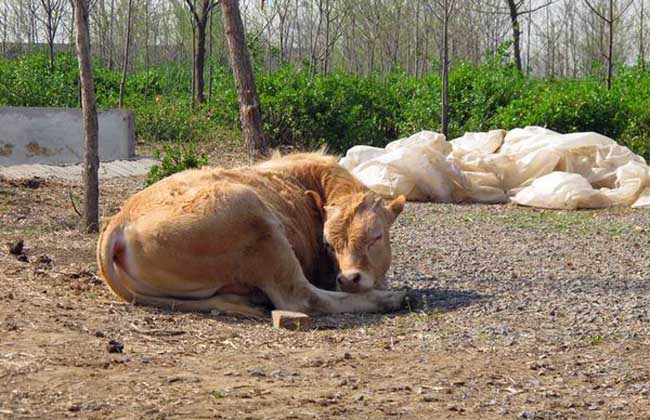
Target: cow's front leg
284,282
326,302
292,291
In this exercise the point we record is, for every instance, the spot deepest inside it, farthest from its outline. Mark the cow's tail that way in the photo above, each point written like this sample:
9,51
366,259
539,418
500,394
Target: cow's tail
111,246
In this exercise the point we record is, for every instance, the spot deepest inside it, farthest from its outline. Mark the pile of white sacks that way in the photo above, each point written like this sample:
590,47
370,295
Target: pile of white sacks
532,166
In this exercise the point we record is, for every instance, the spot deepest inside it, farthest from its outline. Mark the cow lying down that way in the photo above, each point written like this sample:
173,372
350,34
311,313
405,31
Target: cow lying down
218,239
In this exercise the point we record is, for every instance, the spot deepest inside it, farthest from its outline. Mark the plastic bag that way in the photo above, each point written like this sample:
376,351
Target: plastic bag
535,166
561,190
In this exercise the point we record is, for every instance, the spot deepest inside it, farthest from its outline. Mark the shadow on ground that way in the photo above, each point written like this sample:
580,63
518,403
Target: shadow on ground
425,301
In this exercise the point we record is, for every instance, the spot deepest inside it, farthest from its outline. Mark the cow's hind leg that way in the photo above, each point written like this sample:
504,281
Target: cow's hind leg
227,303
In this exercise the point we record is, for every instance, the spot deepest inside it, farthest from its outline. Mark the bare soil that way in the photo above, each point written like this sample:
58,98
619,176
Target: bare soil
514,313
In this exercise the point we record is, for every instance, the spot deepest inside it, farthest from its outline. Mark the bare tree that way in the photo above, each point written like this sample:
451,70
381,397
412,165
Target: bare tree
515,11
610,19
444,11
3,21
200,17
89,109
210,66
250,111
53,10
642,16
125,59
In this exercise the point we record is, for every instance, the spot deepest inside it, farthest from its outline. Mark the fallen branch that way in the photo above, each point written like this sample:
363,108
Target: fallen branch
74,206
158,332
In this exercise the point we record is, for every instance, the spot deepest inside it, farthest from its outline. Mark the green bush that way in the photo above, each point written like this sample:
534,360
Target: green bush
336,110
566,106
340,110
175,159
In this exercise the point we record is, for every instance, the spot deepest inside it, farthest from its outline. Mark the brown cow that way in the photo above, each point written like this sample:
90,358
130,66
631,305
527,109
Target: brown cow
212,239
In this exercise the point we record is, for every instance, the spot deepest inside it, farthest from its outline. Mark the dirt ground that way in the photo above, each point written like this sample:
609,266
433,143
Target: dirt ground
515,313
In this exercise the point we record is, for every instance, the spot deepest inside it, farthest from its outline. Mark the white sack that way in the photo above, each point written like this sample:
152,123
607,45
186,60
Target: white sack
643,200
536,166
561,190
478,144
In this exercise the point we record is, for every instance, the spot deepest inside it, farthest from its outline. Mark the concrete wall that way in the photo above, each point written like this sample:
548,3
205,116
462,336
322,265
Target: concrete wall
55,136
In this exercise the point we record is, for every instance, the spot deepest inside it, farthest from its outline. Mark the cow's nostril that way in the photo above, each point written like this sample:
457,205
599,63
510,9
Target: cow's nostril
340,279
354,278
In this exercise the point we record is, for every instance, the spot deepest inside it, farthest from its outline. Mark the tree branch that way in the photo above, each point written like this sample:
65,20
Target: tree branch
593,9
498,11
192,10
623,11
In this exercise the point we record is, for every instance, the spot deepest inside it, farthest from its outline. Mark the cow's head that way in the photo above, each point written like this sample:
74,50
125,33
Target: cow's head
356,232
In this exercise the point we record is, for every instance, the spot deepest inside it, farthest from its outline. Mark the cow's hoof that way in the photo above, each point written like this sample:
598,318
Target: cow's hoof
391,300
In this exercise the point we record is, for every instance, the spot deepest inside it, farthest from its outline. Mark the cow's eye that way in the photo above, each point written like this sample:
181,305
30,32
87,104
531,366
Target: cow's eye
328,246
375,239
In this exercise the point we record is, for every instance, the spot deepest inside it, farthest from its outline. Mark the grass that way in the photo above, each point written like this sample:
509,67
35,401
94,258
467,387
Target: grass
608,222
596,340
576,222
30,230
217,394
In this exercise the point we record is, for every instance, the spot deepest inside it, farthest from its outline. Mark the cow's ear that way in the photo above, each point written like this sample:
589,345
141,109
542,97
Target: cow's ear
317,200
396,206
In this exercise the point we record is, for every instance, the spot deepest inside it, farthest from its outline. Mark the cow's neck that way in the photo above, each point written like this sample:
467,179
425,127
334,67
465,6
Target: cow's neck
333,183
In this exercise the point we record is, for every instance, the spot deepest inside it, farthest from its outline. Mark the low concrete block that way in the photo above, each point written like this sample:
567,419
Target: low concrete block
55,136
294,321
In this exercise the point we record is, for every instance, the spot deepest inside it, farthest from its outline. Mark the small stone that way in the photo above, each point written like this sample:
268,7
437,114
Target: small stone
22,258
44,259
232,373
294,321
115,346
16,248
99,334
258,373
34,182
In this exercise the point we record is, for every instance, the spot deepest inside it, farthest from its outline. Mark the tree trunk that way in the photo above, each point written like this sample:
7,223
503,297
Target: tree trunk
89,109
516,33
530,17
417,39
641,37
249,107
111,24
327,37
193,60
199,18
210,60
146,34
444,63
50,36
4,33
610,54
199,61
125,60
50,45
